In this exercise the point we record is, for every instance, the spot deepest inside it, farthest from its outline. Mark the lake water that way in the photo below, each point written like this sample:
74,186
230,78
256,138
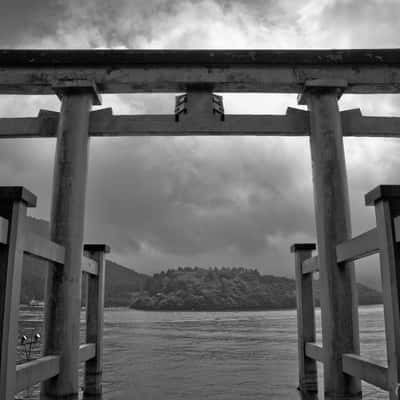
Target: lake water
213,355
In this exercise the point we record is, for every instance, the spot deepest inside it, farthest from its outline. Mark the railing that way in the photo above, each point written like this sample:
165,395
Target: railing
15,241
384,240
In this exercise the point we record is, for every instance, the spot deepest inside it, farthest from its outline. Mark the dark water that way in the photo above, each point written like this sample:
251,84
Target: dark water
206,355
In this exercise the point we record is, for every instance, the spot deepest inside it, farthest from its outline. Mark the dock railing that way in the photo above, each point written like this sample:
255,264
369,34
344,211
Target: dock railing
384,240
15,241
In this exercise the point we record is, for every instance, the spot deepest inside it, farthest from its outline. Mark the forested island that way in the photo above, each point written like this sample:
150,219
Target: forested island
188,289
184,288
224,289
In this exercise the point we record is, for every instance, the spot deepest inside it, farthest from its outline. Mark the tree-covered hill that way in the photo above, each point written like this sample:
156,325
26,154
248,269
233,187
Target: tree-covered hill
182,288
223,289
120,282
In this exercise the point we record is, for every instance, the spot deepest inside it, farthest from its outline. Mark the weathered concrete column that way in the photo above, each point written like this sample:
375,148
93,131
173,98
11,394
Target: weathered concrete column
95,319
13,204
338,295
308,380
63,296
386,199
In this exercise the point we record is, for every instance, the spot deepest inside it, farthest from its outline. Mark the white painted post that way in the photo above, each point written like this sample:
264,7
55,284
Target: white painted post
63,296
95,319
338,296
13,204
308,381
386,199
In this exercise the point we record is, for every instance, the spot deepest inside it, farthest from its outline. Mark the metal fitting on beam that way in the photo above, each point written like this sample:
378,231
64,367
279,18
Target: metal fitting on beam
200,104
218,106
180,105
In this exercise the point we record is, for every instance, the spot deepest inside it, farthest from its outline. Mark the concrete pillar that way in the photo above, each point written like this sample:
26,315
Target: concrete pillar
95,319
13,204
386,199
338,294
63,295
308,380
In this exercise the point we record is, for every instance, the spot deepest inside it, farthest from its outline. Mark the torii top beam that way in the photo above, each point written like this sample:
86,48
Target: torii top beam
129,71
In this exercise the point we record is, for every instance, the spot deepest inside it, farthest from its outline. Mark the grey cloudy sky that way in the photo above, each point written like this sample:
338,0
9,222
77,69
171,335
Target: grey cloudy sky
164,202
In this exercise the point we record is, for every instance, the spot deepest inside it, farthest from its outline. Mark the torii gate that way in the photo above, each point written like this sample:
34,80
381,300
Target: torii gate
79,77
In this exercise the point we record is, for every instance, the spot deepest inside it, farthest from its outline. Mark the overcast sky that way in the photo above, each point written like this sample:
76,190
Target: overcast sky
165,202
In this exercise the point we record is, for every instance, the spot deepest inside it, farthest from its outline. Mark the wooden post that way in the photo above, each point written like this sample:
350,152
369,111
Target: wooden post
95,319
386,200
62,312
338,295
308,381
13,204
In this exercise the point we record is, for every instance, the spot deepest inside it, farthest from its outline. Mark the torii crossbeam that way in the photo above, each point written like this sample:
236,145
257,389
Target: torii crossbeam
104,124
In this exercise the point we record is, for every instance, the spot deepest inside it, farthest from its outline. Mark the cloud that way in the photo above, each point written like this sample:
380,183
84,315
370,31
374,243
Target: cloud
206,201
23,22
369,23
191,195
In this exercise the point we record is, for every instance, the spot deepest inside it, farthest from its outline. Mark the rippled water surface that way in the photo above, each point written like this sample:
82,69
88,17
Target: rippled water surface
207,355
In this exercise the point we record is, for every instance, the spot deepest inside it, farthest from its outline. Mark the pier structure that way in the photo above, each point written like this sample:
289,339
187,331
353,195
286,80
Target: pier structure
79,77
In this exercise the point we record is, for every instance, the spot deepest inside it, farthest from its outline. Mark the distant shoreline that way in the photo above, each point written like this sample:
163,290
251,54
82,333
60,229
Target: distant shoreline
229,309
117,308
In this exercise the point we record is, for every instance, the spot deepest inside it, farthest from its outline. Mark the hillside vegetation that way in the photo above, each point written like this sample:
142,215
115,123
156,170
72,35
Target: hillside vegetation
182,288
120,281
224,289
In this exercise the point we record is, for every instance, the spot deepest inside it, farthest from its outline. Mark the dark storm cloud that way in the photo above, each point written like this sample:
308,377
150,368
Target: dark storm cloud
127,23
137,23
184,23
27,23
140,24
205,201
188,196
22,22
